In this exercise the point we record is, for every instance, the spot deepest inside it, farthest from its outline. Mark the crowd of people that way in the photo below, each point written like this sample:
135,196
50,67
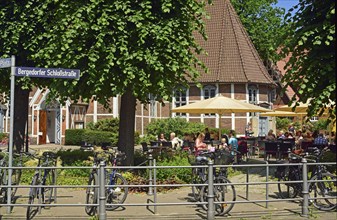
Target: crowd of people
315,137
202,141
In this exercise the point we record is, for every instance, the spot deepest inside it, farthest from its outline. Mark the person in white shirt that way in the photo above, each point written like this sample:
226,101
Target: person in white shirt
176,142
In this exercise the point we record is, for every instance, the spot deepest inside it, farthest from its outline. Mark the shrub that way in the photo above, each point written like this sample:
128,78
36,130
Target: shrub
74,136
3,135
3,139
282,123
147,138
109,124
68,157
99,137
321,124
177,125
178,174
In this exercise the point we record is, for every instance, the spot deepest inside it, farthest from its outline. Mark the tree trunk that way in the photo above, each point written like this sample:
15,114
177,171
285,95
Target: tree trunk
20,116
126,138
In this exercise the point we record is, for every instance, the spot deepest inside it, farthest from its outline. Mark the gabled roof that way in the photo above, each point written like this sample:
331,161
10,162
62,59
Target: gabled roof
232,57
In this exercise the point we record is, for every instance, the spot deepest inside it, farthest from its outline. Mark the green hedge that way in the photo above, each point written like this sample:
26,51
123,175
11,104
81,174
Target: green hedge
98,137
177,125
76,136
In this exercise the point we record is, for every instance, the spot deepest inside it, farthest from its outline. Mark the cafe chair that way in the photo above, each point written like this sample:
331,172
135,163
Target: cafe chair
154,143
270,149
243,149
145,147
305,145
105,146
85,146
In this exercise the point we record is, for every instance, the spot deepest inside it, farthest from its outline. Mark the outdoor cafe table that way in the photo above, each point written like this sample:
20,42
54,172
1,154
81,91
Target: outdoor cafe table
278,147
160,146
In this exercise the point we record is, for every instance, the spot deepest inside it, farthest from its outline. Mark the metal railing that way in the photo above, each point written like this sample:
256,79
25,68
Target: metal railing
152,186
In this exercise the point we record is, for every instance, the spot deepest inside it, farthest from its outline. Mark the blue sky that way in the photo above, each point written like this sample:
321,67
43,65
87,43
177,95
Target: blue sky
287,4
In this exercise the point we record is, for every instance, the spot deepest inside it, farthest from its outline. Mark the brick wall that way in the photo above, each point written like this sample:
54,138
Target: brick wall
225,90
194,93
240,91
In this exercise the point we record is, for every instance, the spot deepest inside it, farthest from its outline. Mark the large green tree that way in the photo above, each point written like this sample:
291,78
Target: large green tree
311,43
123,47
264,23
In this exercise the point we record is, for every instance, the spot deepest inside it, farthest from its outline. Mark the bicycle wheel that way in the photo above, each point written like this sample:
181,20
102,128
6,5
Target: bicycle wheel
48,180
327,190
116,195
33,194
3,190
222,195
197,174
16,176
92,194
287,190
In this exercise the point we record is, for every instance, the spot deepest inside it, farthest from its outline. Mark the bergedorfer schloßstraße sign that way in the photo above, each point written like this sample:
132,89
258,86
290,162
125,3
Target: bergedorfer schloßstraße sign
47,72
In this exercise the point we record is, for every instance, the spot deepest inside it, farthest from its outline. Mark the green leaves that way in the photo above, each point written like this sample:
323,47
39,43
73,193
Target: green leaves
311,41
264,24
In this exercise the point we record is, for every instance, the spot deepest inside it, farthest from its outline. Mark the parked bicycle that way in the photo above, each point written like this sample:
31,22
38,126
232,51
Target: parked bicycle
16,175
41,178
116,185
223,190
322,182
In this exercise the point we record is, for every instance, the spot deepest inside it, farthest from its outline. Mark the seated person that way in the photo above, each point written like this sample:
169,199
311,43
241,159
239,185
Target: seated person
199,143
224,141
162,138
271,136
207,135
281,135
308,137
176,142
321,140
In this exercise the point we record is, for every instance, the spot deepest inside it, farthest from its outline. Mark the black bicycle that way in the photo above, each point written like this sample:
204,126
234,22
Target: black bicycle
322,186
223,189
199,174
116,188
16,174
42,177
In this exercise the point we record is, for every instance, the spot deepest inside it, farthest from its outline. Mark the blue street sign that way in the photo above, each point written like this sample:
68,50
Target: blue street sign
6,62
47,72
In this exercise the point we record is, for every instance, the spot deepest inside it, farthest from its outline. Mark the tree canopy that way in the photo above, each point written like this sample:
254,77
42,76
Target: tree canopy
311,43
264,24
145,44
132,47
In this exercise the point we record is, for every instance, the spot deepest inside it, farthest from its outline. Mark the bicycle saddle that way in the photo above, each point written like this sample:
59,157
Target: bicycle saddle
200,159
49,154
295,158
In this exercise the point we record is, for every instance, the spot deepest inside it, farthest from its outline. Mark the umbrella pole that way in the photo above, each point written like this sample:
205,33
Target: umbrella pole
219,126
330,128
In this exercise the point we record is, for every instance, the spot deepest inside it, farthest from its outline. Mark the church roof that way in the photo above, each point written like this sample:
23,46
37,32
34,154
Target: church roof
232,57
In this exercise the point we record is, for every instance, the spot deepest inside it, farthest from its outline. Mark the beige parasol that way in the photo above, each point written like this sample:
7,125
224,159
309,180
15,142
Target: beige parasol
219,105
301,108
282,114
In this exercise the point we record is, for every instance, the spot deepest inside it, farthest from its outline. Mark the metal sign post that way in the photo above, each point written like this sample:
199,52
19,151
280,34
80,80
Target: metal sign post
10,159
30,72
